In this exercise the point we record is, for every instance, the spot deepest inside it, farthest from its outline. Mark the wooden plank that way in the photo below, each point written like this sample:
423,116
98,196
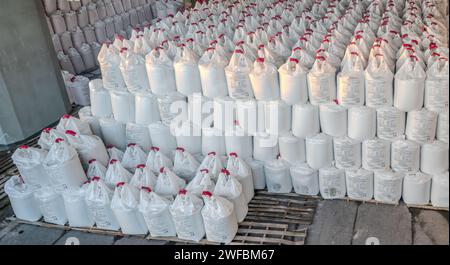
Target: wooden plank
271,220
280,207
271,232
285,216
271,225
267,240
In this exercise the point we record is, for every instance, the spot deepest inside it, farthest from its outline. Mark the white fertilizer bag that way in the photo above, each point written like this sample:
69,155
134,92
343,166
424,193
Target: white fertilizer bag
439,190
305,179
68,122
213,164
139,135
88,147
187,75
143,177
237,141
237,74
421,126
98,200
113,132
378,82
169,105
362,123
332,183
239,169
405,156
63,167
213,140
319,151
184,164
225,109
212,74
278,177
219,218
417,188
293,83
76,208
168,184
162,138
442,131
436,86
109,61
275,124
292,149
160,72
347,153
79,89
333,119
265,147
305,120
100,99
264,80
409,86
133,157
147,109
200,183
228,186
390,123
123,106
388,186
359,184
258,175
48,137
188,137
186,214
116,173
376,154
51,205
124,205
22,200
155,210
321,82
29,162
134,72
434,158
96,169
156,160
114,153
85,115
350,81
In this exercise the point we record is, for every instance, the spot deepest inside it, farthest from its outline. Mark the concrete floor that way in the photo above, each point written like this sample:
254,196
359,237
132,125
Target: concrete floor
335,223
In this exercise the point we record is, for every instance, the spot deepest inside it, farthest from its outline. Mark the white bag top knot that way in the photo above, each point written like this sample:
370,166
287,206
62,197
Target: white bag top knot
168,183
227,185
143,177
125,198
114,153
98,192
216,207
17,188
201,182
96,169
59,153
212,163
151,202
237,166
116,173
133,156
26,156
185,204
68,122
48,137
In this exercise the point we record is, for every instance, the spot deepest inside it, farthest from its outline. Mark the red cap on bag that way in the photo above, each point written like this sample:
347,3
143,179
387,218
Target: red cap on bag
131,145
92,161
206,193
161,170
58,140
155,148
140,166
147,189
233,154
23,147
182,192
238,51
260,60
46,130
112,161
204,170
212,153
70,132
95,178
225,171
66,116
120,184
293,60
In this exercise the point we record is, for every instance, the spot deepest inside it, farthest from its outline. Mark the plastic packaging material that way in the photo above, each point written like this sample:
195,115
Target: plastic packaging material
89,36
436,87
98,200
332,183
51,205
78,39
76,208
169,108
22,200
225,109
161,74
124,205
184,164
359,184
143,178
292,149
319,151
116,173
213,140
439,190
147,110
390,123
157,216
68,122
186,213
123,106
156,160
77,60
293,82
29,162
187,75
238,142
378,82
162,138
212,74
277,115
114,153
350,81
189,137
88,147
169,184
213,164
219,218
96,169
228,186
48,137
239,169
278,176
258,174
100,99
85,115
66,41
65,63
265,147
139,135
58,23
134,72
388,186
417,188
347,153
376,154
56,43
264,80
434,158
113,132
92,13
109,61
333,119
305,179
237,74
409,86
63,167
50,6
321,82
421,126
405,156
362,123
201,182
82,16
133,157
79,90
305,120
442,131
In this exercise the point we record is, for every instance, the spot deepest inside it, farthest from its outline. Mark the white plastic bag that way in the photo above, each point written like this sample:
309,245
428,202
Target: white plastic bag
184,164
332,183
387,186
88,147
201,182
48,137
139,135
362,123
378,82
116,173
409,86
305,179
359,184
292,149
100,99
156,160
434,158
237,74
147,109
96,169
265,147
390,123
109,61
321,82
113,132
68,122
347,153
264,80
85,115
436,86
134,72
421,126
76,208
212,73
169,184
123,106
333,119
439,190
305,120
22,200
376,154
162,138
278,176
319,151
51,205
213,140
416,188
239,169
187,75
442,131
228,186
405,156
160,72
350,81
143,178
213,164
133,157
155,210
29,162
293,82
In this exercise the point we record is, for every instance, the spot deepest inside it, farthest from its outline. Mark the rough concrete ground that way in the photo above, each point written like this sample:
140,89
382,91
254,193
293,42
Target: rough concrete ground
336,222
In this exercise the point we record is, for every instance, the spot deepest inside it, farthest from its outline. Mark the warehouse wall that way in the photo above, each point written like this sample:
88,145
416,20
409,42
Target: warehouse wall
32,92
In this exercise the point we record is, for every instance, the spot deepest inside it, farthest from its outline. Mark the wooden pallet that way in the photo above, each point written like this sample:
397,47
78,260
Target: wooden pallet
401,202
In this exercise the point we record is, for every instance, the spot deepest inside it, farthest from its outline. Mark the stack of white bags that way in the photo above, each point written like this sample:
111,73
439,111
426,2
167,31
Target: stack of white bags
359,89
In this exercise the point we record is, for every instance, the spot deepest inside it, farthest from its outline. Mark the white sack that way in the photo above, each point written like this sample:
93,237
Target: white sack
439,190
321,82
113,132
237,74
96,169
376,154
200,183
421,126
147,110
212,74
434,158
22,201
319,151
347,153
160,72
123,106
168,184
362,123
332,183
100,99
305,120
88,147
292,149
162,138
228,186
29,162
359,184
133,157
98,200
416,188
85,115
51,206
293,82
116,173
305,179
76,208
239,169
184,164
409,86
278,177
390,123
213,140
264,80
388,186
157,160
213,164
155,210
187,75
333,119
442,131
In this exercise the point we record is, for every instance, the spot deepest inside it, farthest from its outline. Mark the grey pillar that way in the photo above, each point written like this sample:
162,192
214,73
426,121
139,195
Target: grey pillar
32,91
